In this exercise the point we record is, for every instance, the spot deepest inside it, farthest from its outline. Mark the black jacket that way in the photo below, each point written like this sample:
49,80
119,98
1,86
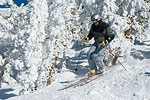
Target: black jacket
101,32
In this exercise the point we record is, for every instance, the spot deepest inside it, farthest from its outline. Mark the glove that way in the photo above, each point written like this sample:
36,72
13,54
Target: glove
104,43
85,39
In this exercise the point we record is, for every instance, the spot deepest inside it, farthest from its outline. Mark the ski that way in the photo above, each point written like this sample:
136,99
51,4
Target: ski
85,80
77,83
96,76
91,79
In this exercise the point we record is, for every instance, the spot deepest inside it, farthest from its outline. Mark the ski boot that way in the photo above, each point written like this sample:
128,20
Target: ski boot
92,72
100,71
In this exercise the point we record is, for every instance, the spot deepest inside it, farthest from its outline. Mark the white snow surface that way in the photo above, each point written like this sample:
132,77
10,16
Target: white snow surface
32,36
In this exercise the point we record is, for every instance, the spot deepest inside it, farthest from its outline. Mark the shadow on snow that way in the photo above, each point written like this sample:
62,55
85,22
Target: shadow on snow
5,95
139,54
76,64
137,42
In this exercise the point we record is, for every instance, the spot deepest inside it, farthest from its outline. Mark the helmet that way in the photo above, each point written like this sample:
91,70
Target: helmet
95,17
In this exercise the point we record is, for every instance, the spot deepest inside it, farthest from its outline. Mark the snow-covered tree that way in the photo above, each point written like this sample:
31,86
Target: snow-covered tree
33,36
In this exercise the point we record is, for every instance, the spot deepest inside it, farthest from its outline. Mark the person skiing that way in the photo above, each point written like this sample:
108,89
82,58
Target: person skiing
103,35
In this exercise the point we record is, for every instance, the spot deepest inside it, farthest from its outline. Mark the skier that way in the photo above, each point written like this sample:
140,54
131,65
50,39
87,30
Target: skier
103,35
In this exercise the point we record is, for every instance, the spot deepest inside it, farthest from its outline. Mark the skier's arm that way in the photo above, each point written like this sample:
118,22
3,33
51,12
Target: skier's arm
90,35
110,35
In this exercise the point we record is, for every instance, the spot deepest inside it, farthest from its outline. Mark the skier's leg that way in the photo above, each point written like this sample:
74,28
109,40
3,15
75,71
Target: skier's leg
98,55
89,56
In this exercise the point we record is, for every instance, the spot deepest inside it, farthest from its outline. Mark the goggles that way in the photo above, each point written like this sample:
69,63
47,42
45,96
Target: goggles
94,21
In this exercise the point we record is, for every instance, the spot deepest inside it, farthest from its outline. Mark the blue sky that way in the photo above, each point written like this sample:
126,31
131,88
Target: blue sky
18,3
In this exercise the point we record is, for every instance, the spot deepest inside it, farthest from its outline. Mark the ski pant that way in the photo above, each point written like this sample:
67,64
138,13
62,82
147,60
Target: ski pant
95,56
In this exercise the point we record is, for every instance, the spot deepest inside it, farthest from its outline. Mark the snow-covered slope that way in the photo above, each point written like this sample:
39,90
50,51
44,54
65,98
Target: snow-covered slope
118,84
31,37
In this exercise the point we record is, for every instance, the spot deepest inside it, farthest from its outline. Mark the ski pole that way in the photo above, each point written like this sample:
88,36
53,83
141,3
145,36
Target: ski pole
114,56
82,45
